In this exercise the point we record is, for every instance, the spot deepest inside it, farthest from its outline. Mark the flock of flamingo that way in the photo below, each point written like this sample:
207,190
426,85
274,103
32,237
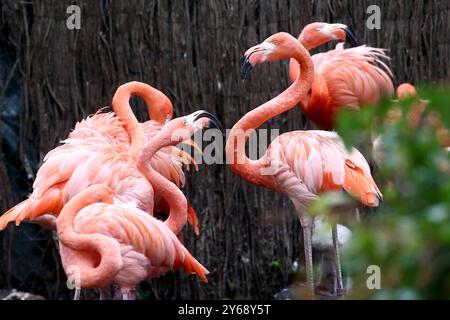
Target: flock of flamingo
100,189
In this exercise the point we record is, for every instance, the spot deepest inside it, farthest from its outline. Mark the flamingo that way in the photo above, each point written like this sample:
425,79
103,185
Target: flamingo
101,149
299,164
414,118
113,242
415,115
104,242
342,78
318,33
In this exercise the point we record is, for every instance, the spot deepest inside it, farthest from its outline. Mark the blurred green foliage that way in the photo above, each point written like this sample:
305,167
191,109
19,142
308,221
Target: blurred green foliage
408,236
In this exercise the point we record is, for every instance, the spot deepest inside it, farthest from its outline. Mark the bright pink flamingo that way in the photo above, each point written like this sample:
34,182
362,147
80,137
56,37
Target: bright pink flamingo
414,117
98,151
103,243
299,164
318,33
342,78
120,243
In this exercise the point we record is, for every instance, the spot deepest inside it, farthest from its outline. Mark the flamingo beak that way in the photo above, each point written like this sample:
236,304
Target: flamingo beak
350,37
246,67
213,121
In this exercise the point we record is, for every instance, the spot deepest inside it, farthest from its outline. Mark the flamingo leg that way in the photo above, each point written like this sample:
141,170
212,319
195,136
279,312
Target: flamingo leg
321,286
307,227
337,259
334,272
76,296
358,216
321,263
128,294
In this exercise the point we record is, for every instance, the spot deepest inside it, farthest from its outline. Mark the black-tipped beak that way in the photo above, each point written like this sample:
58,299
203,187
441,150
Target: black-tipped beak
245,68
213,121
350,38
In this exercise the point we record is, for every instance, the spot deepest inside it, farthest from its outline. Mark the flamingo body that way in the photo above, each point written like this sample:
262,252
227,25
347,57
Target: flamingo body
300,164
314,161
148,249
344,78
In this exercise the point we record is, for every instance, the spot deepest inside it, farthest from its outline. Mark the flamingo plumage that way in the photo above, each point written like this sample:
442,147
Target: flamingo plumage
131,245
111,242
350,77
101,149
299,164
415,117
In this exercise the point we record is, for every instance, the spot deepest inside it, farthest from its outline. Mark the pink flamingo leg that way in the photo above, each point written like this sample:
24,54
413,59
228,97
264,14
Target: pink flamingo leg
307,225
338,269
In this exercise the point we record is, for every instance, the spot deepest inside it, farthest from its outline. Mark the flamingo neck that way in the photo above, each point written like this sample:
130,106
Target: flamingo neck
235,148
158,105
107,248
169,191
316,105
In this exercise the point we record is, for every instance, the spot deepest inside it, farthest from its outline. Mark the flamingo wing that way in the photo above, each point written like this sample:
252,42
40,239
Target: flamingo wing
354,76
317,161
145,234
89,156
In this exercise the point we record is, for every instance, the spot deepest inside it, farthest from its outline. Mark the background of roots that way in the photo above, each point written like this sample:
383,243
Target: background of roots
51,77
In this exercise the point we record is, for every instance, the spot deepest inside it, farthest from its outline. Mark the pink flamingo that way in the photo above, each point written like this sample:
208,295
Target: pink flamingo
342,78
414,117
318,33
118,243
100,150
103,243
299,164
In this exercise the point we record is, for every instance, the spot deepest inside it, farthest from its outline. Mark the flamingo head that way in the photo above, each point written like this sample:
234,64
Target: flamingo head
406,90
318,33
276,47
183,128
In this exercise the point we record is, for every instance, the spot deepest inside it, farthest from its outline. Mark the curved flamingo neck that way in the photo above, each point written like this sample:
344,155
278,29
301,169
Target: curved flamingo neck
107,248
166,189
235,147
158,105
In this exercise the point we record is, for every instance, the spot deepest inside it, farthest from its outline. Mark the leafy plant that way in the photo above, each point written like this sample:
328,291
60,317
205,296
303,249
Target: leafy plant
408,236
